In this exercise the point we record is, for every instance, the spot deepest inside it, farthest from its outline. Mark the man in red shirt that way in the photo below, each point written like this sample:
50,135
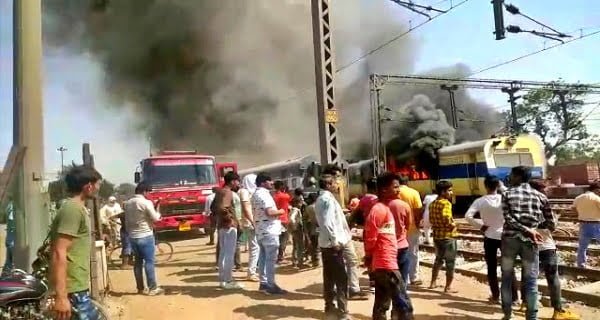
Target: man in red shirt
381,254
282,201
402,215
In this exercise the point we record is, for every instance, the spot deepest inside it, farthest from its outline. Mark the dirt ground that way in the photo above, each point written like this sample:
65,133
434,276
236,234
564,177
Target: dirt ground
191,293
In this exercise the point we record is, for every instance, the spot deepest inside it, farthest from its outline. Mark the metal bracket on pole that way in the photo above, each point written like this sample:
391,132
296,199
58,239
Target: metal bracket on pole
324,76
453,109
513,106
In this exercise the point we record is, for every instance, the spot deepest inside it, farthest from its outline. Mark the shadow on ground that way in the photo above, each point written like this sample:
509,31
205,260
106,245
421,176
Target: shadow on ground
276,311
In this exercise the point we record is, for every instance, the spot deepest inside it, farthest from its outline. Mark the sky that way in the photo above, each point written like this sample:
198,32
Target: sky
75,112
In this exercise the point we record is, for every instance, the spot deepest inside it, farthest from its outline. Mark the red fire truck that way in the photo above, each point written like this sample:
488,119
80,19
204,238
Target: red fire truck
181,181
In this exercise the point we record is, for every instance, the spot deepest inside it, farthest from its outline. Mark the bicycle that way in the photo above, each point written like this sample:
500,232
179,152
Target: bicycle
164,253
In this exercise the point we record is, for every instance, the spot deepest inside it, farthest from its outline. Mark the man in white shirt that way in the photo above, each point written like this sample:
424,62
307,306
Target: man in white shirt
108,213
245,193
268,229
140,216
425,222
491,223
334,236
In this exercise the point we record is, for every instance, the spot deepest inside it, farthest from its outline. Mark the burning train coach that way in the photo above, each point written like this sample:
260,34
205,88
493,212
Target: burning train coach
465,165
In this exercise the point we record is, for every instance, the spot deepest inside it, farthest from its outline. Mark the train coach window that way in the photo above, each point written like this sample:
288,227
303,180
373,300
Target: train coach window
513,159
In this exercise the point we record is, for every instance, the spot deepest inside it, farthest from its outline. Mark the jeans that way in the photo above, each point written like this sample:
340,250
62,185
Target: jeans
389,287
587,232
491,247
125,243
549,263
143,250
413,254
528,251
351,260
253,252
267,259
84,308
314,249
335,280
227,244
404,265
298,241
445,252
284,238
238,246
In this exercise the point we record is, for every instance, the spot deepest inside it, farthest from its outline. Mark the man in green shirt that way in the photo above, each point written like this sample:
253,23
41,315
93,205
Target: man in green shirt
71,247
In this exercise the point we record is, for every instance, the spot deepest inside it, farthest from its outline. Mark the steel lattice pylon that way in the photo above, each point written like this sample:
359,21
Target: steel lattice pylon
324,76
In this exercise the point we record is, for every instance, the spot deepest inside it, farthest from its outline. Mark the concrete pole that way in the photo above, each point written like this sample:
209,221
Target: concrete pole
31,214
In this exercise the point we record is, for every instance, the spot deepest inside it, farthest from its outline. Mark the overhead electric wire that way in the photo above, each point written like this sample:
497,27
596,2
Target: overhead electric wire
385,44
358,59
531,54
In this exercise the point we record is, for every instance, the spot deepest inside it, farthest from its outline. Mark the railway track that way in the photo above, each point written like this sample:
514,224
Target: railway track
591,274
562,247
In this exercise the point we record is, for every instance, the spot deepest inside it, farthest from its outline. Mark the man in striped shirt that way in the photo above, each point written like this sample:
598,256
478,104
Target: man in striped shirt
525,210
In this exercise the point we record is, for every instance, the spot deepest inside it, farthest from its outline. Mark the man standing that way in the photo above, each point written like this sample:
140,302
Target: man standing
381,252
140,216
227,208
312,229
245,193
349,252
334,238
213,220
490,224
70,239
107,214
525,209
413,198
444,234
9,242
587,206
282,200
268,230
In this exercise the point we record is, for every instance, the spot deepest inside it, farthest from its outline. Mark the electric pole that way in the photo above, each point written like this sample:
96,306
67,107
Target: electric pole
513,106
28,131
499,19
453,109
327,112
62,159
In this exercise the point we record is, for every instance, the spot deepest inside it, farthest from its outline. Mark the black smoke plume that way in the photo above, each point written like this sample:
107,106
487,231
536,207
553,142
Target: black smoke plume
237,77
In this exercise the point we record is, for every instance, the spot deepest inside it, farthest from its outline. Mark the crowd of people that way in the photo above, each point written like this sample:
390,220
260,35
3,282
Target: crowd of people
517,221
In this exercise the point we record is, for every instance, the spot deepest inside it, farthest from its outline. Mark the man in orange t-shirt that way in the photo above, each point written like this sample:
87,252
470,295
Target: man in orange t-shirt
282,201
413,198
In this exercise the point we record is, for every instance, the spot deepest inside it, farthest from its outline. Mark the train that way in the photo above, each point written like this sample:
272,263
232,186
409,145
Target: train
464,164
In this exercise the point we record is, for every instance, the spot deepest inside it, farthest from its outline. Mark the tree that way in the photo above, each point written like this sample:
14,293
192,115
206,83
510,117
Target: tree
585,150
555,113
125,190
57,190
107,189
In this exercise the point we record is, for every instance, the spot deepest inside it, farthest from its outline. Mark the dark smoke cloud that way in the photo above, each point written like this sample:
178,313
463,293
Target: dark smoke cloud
428,109
237,77
224,76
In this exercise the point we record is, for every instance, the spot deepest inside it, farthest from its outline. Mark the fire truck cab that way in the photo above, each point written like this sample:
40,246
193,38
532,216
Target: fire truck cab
180,182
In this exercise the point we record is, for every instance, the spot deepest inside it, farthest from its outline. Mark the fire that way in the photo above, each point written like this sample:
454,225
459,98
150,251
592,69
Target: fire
409,169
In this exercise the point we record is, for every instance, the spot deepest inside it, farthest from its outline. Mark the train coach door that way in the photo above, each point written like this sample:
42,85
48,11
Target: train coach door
472,174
